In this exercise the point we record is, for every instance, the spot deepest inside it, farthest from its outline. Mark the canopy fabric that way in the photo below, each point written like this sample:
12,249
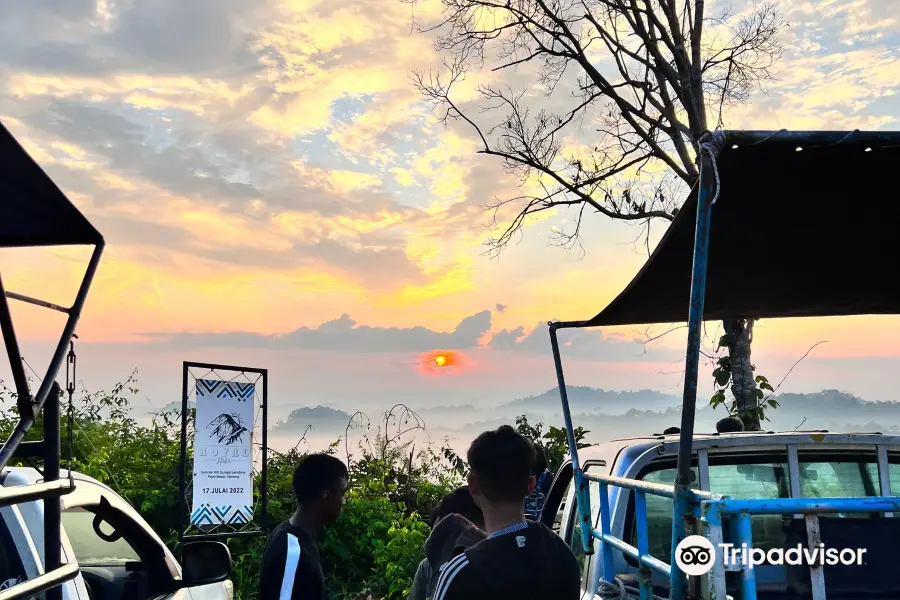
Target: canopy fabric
33,211
806,233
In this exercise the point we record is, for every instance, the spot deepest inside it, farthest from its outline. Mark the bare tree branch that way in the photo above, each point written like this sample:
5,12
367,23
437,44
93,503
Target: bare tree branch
669,61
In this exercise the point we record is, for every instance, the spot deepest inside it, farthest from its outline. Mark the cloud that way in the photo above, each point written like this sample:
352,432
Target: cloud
344,334
591,344
91,38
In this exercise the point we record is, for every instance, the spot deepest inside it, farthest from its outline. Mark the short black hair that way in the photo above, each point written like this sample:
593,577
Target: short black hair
459,502
502,460
540,460
729,425
315,474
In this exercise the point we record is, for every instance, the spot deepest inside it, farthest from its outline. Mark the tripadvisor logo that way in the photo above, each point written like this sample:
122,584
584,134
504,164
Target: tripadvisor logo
695,555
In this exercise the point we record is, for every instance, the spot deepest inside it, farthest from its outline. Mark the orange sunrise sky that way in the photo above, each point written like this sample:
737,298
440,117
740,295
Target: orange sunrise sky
275,193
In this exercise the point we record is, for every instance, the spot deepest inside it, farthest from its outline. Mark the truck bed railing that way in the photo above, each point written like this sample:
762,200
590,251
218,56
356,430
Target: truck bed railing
710,510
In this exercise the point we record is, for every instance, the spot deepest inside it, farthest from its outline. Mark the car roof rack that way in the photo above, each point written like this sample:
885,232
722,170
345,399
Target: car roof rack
34,212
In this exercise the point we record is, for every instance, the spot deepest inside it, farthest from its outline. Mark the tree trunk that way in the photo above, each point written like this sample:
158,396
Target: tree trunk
743,382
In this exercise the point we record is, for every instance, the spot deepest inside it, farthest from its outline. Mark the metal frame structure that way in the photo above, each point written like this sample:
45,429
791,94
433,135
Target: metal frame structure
30,195
186,388
691,506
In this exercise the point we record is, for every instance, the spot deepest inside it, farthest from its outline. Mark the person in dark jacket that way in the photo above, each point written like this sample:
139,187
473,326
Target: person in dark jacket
291,569
519,559
456,524
534,503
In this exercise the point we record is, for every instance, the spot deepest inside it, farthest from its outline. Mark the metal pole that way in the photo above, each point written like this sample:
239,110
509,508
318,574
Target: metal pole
28,406
52,512
183,458
681,506
583,499
23,395
265,451
74,313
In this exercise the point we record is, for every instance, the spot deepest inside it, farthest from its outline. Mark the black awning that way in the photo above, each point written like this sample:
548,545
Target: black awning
33,211
805,233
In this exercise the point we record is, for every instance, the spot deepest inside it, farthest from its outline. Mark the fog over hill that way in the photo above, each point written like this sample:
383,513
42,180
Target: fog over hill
609,414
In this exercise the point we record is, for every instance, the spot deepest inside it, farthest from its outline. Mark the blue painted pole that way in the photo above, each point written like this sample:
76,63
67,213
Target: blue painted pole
608,566
583,498
682,503
643,544
745,536
782,506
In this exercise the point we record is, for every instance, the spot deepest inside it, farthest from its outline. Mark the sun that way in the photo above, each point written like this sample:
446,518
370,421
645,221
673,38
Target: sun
440,360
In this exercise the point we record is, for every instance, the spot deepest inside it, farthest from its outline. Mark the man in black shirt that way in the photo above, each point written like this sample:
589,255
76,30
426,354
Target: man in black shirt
520,559
291,569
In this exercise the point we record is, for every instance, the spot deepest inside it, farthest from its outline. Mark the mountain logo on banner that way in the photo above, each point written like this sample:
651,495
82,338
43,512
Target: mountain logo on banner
228,428
226,389
218,515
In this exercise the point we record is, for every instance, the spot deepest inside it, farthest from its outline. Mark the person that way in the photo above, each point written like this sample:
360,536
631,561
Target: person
534,503
456,524
519,559
291,569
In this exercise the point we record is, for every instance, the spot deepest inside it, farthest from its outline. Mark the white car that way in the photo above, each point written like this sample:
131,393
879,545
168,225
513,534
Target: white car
119,556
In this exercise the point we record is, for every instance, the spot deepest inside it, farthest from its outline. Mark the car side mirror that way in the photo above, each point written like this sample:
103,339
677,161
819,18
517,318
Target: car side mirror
204,563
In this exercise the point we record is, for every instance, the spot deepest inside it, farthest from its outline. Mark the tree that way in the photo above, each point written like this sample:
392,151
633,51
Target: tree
667,68
554,442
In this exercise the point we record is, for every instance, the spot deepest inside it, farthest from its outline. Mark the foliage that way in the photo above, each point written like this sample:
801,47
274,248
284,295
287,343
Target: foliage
554,442
374,548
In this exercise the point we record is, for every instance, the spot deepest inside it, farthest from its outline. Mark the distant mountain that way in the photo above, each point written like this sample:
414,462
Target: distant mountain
322,419
609,414
587,399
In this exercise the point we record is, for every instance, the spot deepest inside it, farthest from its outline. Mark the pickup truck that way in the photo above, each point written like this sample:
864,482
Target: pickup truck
120,557
764,465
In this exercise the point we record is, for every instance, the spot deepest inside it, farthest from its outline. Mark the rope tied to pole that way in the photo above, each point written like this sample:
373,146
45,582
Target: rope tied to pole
713,143
616,590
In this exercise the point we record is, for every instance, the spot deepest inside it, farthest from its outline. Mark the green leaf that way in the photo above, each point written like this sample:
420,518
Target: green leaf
717,398
722,377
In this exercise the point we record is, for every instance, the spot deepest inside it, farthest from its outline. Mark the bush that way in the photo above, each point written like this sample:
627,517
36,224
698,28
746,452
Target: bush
374,548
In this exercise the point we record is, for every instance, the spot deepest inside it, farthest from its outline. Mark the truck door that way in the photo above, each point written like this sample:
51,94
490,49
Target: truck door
565,518
12,568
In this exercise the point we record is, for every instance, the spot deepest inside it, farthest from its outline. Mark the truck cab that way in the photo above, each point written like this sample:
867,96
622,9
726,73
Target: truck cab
119,556
763,465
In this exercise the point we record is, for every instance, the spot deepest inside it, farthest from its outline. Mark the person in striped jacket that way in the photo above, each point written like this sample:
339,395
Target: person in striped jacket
520,558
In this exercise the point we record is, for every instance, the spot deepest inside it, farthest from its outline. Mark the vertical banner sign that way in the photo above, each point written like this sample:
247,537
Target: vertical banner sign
223,454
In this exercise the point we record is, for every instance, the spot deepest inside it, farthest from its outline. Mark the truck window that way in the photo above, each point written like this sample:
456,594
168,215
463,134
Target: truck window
90,549
768,480
573,534
11,569
557,520
838,479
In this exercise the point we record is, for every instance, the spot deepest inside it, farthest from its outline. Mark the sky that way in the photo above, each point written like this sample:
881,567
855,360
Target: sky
275,193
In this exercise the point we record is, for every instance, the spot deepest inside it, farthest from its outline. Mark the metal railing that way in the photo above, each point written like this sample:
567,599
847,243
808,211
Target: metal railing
46,401
710,510
641,553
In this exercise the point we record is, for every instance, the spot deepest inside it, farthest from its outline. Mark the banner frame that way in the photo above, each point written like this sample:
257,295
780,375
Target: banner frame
183,510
